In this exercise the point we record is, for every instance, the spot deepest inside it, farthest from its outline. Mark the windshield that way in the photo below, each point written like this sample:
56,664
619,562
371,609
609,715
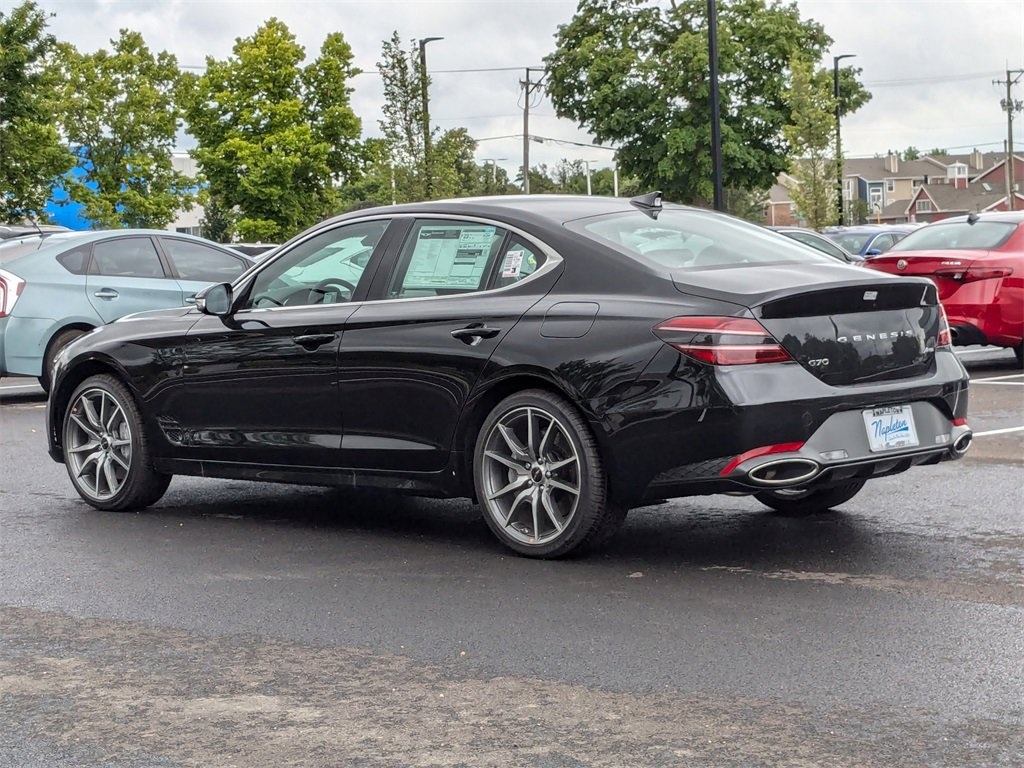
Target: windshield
691,238
957,235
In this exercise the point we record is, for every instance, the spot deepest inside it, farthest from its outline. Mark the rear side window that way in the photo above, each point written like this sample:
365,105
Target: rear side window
956,235
195,261
517,262
75,261
443,258
692,239
126,257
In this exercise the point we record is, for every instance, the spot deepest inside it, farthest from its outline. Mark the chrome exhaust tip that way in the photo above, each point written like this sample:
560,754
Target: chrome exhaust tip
962,443
784,472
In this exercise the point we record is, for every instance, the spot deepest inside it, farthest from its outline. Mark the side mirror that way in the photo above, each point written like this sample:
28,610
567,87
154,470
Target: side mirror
873,251
215,300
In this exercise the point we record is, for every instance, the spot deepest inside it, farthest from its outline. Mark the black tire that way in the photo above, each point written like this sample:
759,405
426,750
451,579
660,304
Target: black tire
808,501
560,475
105,448
57,343
1019,352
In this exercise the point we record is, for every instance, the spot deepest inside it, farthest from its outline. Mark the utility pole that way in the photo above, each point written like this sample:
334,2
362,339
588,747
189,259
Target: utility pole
528,89
1011,105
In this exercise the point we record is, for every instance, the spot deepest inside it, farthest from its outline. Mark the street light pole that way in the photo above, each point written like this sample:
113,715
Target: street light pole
494,168
716,117
427,170
839,145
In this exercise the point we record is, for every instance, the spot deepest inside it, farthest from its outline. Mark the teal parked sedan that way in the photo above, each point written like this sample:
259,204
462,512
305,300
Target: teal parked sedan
57,288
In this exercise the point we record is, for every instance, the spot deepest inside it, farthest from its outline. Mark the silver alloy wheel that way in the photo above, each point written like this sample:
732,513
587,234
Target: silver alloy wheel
531,475
98,444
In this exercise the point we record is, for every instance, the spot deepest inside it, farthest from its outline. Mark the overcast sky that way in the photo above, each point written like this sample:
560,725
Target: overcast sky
929,63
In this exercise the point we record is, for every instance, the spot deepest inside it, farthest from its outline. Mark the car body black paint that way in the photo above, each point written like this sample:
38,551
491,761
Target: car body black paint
383,394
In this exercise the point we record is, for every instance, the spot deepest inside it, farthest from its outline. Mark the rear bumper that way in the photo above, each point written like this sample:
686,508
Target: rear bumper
679,437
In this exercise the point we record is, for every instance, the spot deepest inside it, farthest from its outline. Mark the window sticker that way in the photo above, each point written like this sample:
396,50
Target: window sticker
513,264
449,256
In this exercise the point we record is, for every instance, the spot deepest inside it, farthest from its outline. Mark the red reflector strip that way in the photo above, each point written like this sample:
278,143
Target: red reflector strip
735,354
763,451
959,422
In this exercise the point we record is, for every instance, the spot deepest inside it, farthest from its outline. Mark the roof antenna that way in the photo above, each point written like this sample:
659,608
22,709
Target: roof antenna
649,203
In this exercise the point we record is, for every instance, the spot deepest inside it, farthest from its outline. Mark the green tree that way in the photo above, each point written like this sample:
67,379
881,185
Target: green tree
749,204
455,173
32,154
859,212
276,139
911,153
445,168
402,124
635,74
121,118
811,137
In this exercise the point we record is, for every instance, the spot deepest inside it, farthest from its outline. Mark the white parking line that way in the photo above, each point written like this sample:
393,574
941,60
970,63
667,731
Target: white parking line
1000,383
1006,431
20,386
1000,378
961,352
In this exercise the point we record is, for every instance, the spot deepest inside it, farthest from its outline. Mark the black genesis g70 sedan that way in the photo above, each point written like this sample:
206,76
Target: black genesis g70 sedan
559,359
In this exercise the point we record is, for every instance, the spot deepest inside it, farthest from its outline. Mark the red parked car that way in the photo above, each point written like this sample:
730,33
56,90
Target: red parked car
977,262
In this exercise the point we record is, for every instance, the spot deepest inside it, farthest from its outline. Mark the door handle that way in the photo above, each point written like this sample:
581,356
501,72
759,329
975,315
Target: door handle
473,334
106,293
311,341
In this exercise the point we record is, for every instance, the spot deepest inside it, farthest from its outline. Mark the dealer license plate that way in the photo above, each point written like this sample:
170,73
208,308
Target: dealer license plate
890,428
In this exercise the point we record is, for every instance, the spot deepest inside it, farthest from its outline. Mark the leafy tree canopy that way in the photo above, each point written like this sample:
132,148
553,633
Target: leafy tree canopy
275,138
811,136
121,118
635,74
32,154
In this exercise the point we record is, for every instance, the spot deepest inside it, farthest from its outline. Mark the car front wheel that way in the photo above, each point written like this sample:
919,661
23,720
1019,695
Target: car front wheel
539,477
105,448
800,502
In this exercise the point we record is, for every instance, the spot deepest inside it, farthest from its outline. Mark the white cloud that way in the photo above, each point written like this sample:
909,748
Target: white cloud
929,63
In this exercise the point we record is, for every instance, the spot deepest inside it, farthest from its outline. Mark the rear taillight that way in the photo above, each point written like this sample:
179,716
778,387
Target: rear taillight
945,337
722,340
971,274
10,290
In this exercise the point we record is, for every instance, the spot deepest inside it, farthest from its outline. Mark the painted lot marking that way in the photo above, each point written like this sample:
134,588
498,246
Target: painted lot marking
20,386
1006,431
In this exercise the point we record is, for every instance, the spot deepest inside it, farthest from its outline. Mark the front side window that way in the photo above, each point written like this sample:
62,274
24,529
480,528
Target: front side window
325,269
442,257
690,238
195,261
126,257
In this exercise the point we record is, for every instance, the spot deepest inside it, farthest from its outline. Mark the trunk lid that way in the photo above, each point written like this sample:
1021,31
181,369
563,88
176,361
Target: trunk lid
941,267
843,324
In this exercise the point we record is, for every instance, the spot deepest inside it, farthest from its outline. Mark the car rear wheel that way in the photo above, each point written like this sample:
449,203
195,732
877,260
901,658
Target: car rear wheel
57,343
1019,352
800,502
105,448
539,477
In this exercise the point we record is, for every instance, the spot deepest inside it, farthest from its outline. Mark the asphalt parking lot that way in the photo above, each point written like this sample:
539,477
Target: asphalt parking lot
245,624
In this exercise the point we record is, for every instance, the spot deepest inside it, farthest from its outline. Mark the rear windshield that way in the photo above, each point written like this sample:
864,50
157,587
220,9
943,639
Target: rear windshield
13,249
957,235
690,238
851,241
